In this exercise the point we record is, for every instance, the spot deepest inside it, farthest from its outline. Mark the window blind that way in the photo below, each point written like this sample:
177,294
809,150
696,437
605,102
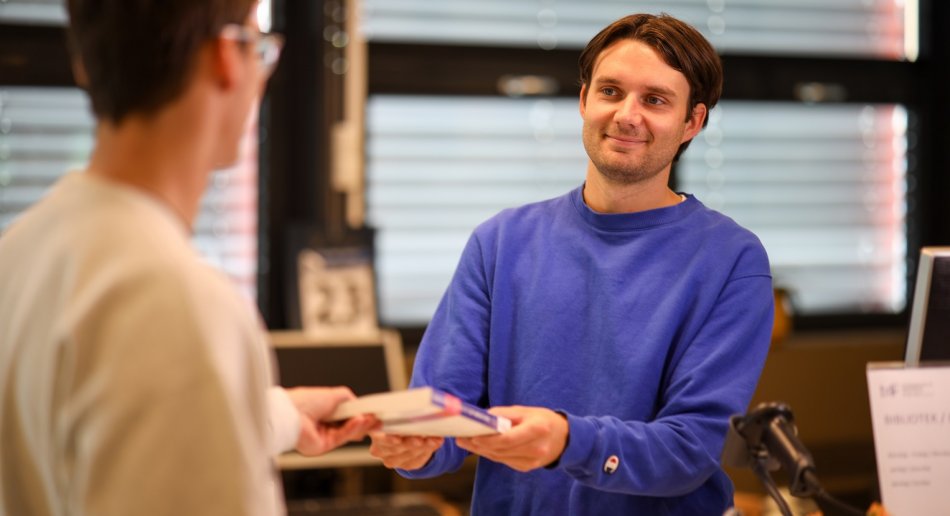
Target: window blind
825,189
33,12
53,12
885,29
45,132
437,166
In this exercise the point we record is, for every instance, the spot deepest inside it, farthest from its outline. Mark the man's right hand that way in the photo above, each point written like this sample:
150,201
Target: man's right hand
317,436
403,452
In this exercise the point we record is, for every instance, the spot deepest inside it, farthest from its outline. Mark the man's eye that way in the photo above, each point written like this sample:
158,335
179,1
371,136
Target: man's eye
656,101
608,91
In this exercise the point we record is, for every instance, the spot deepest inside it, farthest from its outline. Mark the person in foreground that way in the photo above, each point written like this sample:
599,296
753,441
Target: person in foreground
135,379
618,326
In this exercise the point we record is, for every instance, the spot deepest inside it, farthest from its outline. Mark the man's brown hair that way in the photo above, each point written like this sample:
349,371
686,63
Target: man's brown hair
135,56
681,46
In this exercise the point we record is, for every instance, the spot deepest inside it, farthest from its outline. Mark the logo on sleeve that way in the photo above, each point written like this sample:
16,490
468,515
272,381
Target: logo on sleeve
613,462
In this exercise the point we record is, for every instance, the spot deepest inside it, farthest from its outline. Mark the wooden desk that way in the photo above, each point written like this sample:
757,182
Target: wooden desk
339,458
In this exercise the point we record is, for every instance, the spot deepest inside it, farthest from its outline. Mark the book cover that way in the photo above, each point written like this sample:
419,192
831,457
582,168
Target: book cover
424,411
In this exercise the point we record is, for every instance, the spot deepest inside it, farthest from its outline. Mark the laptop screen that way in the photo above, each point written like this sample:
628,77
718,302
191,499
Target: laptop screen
928,338
366,365
361,368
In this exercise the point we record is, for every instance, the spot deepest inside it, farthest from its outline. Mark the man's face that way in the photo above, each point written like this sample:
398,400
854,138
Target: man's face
634,112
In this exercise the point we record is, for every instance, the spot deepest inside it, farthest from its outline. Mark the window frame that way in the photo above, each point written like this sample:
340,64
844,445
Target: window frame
426,69
291,178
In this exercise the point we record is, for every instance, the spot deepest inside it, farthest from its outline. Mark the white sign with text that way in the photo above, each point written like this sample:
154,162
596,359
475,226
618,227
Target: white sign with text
910,415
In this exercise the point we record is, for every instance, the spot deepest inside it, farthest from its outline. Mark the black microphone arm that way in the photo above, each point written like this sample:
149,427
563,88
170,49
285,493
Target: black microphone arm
780,438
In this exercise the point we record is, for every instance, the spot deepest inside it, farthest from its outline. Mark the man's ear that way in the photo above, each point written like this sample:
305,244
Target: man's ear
695,122
583,102
79,73
224,59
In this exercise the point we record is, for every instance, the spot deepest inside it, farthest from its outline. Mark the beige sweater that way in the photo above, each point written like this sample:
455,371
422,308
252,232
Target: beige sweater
134,378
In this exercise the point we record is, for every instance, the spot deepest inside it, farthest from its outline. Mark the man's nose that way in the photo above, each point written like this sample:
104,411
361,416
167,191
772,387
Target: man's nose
630,111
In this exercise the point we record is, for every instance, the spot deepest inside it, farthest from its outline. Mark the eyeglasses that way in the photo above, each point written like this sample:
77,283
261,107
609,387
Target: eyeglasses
267,45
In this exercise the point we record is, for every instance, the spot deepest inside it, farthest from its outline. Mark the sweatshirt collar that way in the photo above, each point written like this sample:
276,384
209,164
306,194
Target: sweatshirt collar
632,221
105,189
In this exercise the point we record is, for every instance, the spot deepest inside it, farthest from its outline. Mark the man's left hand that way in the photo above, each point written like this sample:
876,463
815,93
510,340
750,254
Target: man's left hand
537,438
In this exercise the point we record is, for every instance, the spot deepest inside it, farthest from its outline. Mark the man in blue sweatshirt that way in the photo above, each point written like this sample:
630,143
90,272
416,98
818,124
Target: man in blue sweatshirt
618,326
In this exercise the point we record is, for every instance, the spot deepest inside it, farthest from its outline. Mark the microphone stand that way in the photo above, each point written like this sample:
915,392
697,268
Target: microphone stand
765,439
759,465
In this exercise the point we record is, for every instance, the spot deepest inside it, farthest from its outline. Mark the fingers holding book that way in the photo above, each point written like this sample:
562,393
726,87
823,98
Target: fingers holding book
537,438
318,436
404,452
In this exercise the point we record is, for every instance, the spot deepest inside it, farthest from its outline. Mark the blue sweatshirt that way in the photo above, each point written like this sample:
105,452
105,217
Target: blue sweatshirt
648,330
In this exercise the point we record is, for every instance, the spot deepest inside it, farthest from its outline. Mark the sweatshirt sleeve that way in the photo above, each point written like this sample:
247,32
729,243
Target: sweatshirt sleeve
284,420
712,379
453,352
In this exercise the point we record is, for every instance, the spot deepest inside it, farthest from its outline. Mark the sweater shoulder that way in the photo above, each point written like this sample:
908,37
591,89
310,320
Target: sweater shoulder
524,216
719,233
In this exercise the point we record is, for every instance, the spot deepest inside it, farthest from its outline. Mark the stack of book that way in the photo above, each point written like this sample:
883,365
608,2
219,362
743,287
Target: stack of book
424,411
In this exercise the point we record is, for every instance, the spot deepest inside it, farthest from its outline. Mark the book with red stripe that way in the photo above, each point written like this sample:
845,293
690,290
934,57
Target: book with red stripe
424,411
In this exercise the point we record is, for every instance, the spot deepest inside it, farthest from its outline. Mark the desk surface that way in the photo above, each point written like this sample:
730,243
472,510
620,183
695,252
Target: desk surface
339,458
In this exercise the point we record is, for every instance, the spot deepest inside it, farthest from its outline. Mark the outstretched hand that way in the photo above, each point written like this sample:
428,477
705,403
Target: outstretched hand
316,404
537,438
404,452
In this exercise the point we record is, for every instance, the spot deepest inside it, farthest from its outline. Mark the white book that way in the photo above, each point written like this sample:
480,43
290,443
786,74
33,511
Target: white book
424,411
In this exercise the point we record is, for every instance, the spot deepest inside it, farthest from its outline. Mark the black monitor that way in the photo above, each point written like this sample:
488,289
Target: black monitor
366,362
928,339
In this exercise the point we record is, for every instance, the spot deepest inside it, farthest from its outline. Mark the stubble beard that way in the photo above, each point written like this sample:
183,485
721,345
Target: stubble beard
616,169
